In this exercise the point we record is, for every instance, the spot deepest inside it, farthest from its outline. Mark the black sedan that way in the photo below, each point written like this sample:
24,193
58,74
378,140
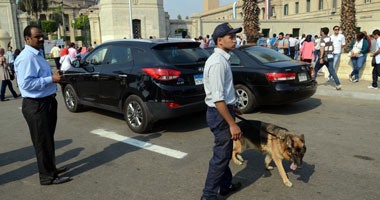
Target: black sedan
263,76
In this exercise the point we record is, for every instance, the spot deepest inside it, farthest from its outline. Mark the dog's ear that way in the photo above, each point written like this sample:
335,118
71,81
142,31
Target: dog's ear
303,138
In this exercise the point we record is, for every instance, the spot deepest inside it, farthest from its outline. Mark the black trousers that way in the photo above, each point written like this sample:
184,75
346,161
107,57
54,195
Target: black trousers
57,64
41,116
375,74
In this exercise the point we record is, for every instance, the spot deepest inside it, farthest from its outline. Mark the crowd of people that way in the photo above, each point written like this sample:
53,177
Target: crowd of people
65,57
319,50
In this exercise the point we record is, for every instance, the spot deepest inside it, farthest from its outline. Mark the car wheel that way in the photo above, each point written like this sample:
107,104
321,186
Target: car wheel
247,100
71,99
136,114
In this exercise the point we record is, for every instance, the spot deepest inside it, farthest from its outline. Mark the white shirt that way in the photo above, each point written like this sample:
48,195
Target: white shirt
65,62
338,41
292,42
377,48
217,79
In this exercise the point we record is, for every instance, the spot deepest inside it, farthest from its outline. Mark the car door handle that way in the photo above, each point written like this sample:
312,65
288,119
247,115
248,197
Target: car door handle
123,75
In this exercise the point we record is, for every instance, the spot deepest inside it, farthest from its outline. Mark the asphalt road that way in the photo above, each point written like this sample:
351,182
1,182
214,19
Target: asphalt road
341,162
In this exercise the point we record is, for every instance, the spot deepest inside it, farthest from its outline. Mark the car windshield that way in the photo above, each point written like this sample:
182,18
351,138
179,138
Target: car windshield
266,55
181,53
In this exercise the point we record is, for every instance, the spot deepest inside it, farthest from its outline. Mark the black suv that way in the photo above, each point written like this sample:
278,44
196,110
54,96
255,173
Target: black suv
146,80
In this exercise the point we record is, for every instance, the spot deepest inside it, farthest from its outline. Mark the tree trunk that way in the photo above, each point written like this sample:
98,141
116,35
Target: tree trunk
251,20
348,21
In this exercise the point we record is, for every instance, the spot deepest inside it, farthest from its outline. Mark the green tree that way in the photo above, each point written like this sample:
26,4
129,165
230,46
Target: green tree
179,17
348,21
81,22
49,26
251,22
33,7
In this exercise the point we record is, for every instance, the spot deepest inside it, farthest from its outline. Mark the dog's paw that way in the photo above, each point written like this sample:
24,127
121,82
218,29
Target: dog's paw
269,168
288,183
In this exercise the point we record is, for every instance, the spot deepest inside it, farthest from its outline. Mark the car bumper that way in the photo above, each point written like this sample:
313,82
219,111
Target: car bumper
284,93
161,111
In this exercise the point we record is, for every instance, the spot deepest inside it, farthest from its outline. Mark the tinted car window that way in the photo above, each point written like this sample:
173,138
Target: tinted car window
140,57
181,53
235,60
119,55
97,57
266,55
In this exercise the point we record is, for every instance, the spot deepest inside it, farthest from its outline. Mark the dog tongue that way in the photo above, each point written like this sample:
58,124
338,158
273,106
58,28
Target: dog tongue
293,166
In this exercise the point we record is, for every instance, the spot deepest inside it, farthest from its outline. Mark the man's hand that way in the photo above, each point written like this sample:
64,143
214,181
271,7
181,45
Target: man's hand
235,132
56,77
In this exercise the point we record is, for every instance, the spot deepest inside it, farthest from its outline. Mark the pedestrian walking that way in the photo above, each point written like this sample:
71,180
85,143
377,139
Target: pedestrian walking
220,100
307,49
38,87
358,54
55,53
326,57
339,41
376,62
5,77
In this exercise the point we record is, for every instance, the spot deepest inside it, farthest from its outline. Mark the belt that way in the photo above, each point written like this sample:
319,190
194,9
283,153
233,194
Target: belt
43,98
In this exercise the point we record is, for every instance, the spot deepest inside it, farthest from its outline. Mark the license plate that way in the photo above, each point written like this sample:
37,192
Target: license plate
198,79
302,77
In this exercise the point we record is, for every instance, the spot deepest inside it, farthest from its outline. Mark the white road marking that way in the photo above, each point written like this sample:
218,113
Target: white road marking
137,143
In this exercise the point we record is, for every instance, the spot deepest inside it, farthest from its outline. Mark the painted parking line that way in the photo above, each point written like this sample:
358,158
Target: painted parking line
140,144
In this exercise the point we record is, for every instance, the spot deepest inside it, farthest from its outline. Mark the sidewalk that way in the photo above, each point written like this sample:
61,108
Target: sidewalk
357,90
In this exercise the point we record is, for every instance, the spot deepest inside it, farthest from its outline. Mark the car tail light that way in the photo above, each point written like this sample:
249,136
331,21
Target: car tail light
162,74
280,76
172,104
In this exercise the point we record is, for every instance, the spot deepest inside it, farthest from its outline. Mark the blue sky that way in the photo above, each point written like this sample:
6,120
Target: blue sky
187,7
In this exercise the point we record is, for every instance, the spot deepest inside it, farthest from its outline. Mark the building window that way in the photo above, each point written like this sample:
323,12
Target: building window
307,5
320,5
297,7
273,11
334,4
367,1
263,12
286,10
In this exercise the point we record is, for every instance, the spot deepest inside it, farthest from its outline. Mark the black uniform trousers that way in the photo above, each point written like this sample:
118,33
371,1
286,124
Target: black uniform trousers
41,116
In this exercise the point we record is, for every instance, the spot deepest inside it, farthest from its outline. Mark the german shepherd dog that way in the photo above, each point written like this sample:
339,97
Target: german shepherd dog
276,142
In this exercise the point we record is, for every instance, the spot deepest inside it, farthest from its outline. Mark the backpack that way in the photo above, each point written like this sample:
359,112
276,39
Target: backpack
369,43
329,49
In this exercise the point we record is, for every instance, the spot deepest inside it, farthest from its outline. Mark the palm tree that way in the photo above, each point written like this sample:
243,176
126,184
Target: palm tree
251,22
348,21
33,7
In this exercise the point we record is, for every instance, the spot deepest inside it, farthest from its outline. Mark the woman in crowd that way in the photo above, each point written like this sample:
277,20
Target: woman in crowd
307,49
358,53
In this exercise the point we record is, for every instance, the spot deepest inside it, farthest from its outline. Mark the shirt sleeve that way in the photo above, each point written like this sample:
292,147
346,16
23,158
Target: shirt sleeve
217,77
31,80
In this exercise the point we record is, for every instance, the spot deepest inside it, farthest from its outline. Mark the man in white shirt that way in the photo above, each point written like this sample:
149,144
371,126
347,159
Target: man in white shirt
376,54
55,53
220,100
339,41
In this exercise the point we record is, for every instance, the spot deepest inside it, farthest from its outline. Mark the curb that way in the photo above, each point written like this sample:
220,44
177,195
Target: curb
349,94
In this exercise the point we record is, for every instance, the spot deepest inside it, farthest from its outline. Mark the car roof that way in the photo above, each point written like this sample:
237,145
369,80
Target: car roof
150,41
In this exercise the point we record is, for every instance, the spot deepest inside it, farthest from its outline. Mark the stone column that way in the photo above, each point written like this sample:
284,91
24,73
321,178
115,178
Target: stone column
5,38
95,28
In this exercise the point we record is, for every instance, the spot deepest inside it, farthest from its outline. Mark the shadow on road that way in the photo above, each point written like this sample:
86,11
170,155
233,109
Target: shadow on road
255,169
289,109
27,153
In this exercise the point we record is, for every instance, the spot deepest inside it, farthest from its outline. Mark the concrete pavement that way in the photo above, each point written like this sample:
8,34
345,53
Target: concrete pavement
357,90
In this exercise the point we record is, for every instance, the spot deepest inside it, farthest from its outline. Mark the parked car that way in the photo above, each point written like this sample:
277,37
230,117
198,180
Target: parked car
146,80
263,76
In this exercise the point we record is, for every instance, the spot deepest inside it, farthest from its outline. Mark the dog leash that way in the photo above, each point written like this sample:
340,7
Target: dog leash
246,121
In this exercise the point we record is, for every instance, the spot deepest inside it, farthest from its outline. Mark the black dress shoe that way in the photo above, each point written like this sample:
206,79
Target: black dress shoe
58,180
4,100
62,169
233,188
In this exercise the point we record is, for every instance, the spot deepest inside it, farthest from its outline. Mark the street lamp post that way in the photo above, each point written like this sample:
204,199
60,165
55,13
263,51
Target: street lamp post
130,17
63,19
